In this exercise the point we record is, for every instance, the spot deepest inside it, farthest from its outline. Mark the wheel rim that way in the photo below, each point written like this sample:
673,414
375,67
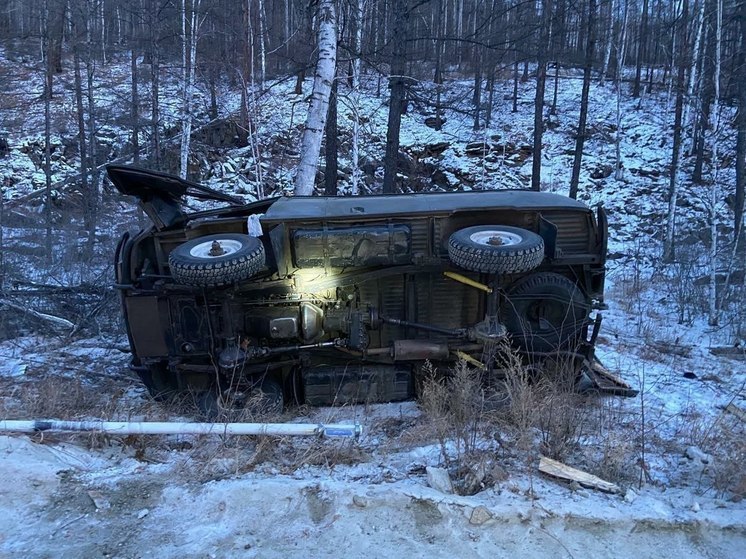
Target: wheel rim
209,251
495,238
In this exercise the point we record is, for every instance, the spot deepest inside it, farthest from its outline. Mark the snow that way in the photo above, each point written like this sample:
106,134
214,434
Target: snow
255,497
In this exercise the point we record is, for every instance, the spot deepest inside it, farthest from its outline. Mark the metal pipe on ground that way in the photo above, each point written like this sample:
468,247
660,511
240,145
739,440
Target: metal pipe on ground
332,430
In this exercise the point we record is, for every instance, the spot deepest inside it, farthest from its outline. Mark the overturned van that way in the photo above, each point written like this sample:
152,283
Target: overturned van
330,300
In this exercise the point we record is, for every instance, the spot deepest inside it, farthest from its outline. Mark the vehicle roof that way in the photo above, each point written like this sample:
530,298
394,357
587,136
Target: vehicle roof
313,207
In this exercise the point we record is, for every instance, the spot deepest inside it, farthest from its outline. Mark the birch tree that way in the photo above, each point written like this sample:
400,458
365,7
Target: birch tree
609,42
313,130
189,36
356,105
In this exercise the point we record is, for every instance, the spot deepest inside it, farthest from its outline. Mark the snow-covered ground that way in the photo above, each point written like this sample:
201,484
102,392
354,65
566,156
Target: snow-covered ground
675,452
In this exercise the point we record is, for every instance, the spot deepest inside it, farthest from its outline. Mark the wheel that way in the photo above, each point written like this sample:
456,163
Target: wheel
544,312
160,383
496,249
216,260
266,398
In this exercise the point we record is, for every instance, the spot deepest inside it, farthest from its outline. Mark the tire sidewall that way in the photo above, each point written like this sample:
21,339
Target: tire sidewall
569,305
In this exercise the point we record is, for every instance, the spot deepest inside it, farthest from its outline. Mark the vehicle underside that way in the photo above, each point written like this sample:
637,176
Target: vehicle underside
326,300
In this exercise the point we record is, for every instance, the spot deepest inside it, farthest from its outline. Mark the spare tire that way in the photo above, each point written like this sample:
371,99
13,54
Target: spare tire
496,249
545,312
216,260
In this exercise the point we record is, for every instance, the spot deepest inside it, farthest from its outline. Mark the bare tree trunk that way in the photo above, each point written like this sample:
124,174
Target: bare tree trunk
515,83
135,107
673,188
332,146
3,186
319,104
477,98
48,74
155,79
438,76
740,195
541,76
355,179
609,42
580,141
641,48
82,144
396,100
620,48
693,71
102,28
93,194
714,187
553,108
705,94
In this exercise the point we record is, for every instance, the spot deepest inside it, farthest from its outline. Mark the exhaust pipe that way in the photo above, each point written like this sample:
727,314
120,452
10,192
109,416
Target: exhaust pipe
331,430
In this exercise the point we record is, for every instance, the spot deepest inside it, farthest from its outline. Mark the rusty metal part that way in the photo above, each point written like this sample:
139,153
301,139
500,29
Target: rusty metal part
415,350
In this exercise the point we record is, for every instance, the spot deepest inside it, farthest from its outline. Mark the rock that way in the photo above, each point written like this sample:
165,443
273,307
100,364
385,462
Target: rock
359,501
142,514
696,507
99,500
369,166
498,473
479,515
438,479
433,122
601,171
433,150
694,453
630,496
473,480
477,149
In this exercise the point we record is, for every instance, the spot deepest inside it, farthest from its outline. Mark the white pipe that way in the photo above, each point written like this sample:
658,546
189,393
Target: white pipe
167,428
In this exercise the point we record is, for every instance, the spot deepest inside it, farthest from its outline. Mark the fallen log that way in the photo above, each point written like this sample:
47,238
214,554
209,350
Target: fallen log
56,320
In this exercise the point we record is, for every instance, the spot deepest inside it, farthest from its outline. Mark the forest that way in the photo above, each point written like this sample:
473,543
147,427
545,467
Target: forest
176,61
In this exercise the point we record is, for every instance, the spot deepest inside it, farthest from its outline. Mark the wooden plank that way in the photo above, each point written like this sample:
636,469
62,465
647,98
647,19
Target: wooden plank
559,470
